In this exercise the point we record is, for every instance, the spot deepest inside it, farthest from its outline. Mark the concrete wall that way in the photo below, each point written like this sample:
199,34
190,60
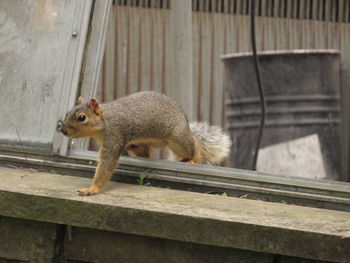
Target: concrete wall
42,219
39,242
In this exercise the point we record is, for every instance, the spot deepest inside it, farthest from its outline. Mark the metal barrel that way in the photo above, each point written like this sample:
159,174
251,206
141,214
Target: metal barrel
302,92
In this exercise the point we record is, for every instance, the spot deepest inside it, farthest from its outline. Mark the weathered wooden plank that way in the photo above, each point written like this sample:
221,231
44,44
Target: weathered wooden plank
196,51
205,67
280,37
261,35
266,32
231,34
217,92
133,54
335,35
109,62
238,7
320,34
347,12
341,10
166,73
289,9
294,39
206,5
271,7
307,38
226,6
145,50
276,8
214,5
243,34
306,9
314,10
157,42
328,10
282,8
181,55
260,7
245,7
121,60
321,9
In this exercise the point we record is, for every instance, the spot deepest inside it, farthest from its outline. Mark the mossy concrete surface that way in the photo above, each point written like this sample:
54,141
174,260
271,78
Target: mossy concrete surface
269,228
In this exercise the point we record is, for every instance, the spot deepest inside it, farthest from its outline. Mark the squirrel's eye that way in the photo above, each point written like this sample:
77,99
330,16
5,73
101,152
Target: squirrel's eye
82,118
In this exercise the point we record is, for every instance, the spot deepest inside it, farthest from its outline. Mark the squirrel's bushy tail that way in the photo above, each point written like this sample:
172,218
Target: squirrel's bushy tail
212,144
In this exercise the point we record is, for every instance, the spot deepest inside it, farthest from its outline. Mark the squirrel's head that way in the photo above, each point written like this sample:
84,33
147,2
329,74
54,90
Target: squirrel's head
84,120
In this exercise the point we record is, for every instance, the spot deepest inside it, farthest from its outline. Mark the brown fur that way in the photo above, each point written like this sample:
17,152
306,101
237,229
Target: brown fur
136,123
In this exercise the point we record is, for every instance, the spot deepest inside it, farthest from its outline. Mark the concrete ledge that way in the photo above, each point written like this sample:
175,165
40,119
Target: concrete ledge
176,215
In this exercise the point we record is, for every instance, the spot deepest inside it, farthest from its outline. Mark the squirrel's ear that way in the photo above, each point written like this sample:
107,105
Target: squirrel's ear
94,105
80,100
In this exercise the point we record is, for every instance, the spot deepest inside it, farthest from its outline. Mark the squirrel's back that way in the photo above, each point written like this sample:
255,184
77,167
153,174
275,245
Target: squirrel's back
146,114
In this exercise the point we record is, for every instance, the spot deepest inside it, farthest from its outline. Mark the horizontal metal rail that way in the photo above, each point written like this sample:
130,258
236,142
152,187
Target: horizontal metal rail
200,178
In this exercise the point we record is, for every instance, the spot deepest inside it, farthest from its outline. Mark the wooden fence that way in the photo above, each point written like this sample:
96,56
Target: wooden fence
324,10
138,50
138,45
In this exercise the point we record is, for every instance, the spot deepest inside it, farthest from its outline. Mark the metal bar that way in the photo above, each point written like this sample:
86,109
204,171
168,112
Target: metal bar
202,178
284,123
282,110
94,55
294,98
72,69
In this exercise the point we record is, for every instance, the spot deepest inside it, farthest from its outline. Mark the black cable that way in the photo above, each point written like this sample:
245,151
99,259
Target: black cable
258,78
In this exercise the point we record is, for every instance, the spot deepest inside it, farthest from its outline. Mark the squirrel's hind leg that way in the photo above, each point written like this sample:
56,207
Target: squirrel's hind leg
183,149
139,150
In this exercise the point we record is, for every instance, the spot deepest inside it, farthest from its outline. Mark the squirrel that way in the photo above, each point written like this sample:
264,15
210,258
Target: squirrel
138,123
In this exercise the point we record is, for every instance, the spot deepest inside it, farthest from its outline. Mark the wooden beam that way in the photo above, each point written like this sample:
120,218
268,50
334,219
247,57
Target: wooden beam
181,56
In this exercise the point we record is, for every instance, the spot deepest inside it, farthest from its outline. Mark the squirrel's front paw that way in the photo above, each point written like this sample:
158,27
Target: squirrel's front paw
88,191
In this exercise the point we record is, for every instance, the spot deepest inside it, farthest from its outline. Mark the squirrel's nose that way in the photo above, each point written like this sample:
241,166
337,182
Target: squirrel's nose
59,127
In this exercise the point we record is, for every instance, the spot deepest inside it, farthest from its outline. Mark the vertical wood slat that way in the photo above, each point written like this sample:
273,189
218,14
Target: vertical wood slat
204,71
196,41
261,8
346,13
217,93
145,58
314,10
320,9
109,62
341,10
239,7
276,8
289,9
133,54
226,6
328,10
121,52
166,73
157,42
